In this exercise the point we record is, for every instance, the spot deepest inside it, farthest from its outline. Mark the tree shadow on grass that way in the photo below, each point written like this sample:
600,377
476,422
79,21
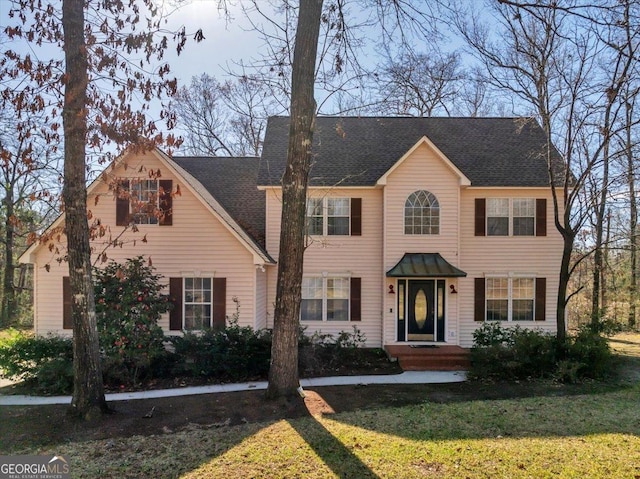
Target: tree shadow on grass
336,455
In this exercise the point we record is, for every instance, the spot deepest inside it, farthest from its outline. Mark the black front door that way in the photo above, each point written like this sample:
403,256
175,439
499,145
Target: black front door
421,310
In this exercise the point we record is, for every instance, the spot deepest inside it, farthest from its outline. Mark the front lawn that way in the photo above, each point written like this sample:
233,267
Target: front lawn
466,430
584,436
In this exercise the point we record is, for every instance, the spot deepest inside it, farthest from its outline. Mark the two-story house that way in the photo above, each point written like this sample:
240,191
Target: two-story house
418,229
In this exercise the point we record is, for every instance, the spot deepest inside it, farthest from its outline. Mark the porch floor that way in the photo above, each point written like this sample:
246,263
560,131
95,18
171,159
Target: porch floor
429,358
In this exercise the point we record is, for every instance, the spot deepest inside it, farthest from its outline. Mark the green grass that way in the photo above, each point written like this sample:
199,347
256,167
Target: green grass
587,436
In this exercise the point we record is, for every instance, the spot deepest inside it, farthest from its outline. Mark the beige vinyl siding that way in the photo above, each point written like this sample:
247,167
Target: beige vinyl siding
491,255
352,256
197,244
422,170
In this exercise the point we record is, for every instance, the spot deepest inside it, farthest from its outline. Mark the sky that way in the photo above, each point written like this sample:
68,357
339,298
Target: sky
226,40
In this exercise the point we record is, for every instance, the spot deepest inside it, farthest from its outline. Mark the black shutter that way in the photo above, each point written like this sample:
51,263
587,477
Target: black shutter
541,217
67,318
356,216
355,300
541,299
122,203
219,286
480,217
479,300
175,294
166,202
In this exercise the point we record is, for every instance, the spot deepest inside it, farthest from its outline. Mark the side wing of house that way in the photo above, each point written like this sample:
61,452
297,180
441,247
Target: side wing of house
209,271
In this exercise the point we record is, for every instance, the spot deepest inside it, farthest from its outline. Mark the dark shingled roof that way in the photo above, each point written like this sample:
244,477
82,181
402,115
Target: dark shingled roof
357,151
232,182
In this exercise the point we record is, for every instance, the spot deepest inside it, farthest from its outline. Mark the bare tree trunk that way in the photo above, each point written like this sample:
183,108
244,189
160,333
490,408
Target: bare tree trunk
633,220
598,257
8,288
88,390
283,373
604,297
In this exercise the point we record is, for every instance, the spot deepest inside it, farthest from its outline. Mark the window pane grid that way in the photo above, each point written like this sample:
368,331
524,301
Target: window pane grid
144,201
325,299
421,214
497,216
328,216
523,216
510,299
197,303
314,216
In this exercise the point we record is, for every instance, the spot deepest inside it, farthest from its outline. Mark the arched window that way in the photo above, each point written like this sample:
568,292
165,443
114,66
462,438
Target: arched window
421,214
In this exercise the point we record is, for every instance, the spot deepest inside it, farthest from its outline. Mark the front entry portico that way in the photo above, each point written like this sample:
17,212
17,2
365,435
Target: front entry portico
421,301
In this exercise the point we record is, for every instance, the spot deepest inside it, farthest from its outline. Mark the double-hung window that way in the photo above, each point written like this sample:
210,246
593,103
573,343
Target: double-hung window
144,201
510,299
524,216
325,299
328,216
497,216
197,303
143,196
515,217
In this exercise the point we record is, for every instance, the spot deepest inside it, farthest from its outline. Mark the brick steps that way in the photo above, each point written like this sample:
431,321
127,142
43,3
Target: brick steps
436,358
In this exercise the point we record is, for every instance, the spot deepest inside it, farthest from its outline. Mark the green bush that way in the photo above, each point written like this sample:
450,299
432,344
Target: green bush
591,354
516,353
322,351
22,355
56,376
129,303
233,353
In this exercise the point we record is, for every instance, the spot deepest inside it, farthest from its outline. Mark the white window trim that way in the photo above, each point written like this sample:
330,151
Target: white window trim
404,216
511,217
137,181
510,277
325,215
326,276
184,302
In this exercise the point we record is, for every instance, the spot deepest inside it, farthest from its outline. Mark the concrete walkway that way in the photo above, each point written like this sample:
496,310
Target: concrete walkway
408,377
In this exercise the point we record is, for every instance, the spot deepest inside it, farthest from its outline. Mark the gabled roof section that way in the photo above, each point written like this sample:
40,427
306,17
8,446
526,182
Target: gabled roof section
226,185
359,151
232,181
425,141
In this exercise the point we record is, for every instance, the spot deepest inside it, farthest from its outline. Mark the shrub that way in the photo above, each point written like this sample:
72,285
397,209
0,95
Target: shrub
518,353
128,306
56,376
232,353
328,351
591,354
45,361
